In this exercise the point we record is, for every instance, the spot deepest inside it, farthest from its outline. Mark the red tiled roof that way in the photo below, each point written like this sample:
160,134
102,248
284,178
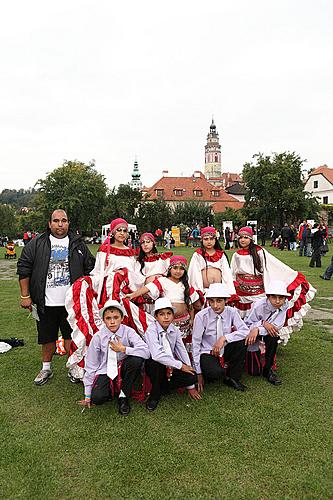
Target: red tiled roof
220,206
325,171
188,185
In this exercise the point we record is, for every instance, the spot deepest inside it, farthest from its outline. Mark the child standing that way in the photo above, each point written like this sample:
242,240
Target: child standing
169,366
266,318
114,359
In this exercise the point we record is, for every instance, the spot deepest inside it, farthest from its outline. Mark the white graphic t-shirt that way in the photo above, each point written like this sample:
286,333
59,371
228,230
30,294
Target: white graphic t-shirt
58,278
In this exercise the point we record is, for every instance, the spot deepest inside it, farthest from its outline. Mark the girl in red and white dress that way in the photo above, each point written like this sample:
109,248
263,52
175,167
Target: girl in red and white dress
209,264
114,275
150,265
253,268
176,288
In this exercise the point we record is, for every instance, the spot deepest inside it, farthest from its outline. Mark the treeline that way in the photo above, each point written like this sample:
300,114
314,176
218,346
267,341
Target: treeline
274,195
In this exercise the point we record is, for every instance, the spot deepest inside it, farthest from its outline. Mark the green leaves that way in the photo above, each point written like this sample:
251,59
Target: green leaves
275,189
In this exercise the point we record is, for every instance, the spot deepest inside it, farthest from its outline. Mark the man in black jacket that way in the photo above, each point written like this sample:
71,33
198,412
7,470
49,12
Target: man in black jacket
48,266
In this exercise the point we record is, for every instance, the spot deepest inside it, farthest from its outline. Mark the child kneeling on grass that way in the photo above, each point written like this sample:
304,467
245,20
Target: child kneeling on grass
169,366
114,358
218,341
266,318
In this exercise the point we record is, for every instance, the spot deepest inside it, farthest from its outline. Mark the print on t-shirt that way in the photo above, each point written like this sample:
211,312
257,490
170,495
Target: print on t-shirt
58,276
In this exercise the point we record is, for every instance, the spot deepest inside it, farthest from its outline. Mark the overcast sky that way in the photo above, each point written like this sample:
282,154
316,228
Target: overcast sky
108,80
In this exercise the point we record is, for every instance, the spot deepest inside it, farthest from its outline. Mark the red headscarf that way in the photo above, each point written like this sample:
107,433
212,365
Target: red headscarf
208,230
148,236
245,231
116,223
178,259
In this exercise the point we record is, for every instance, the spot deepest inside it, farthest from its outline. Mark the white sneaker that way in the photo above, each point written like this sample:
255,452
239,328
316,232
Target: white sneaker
43,376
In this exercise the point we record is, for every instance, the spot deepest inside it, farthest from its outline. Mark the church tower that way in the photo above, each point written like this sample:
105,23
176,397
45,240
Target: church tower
136,177
212,153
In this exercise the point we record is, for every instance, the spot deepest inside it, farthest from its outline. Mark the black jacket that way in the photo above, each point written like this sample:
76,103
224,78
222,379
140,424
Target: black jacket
35,258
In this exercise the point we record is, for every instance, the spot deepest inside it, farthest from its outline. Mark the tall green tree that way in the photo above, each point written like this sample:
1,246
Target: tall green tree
122,202
193,212
8,225
275,189
79,189
154,214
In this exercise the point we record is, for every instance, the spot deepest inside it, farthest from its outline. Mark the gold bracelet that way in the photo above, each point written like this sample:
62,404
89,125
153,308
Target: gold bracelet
26,297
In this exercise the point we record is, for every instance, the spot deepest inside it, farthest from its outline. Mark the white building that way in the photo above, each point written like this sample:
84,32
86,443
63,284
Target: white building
320,184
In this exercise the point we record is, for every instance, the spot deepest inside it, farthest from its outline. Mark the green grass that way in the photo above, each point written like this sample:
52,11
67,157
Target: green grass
270,442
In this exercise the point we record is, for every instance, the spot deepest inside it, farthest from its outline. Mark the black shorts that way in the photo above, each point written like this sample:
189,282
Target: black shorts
50,322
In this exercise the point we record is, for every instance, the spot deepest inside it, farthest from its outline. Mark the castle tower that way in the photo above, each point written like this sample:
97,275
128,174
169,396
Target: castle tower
136,177
212,153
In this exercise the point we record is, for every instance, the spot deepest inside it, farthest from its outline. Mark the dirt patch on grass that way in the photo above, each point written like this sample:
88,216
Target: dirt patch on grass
318,315
7,270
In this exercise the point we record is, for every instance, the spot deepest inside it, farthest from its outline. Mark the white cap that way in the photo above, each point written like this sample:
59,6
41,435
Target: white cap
217,290
112,303
163,303
277,287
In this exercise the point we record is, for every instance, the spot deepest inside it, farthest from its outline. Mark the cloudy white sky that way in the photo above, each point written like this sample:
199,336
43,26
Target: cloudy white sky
108,80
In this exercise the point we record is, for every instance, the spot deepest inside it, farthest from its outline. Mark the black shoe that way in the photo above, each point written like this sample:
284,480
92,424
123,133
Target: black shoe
272,378
235,384
124,407
323,278
152,404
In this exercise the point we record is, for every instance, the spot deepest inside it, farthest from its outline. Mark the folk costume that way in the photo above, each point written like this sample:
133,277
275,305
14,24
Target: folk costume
113,276
251,284
175,292
154,265
202,261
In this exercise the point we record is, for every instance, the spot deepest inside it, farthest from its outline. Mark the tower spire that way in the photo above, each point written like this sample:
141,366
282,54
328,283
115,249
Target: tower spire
136,176
212,153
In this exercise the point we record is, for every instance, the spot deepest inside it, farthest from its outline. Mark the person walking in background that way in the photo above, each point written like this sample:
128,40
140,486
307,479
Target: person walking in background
285,235
292,240
329,271
302,233
227,238
317,241
262,235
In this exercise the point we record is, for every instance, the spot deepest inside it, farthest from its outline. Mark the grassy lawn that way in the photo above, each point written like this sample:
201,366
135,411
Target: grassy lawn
269,442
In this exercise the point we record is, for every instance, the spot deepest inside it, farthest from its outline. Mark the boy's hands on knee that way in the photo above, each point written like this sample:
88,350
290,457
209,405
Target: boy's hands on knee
187,369
271,329
218,346
252,336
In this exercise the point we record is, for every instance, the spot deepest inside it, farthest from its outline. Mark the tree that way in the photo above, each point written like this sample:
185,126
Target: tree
122,202
18,198
154,214
7,221
193,212
77,188
275,190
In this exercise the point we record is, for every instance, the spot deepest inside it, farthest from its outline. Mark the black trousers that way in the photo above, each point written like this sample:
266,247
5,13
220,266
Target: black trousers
130,369
234,357
316,257
271,344
160,384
